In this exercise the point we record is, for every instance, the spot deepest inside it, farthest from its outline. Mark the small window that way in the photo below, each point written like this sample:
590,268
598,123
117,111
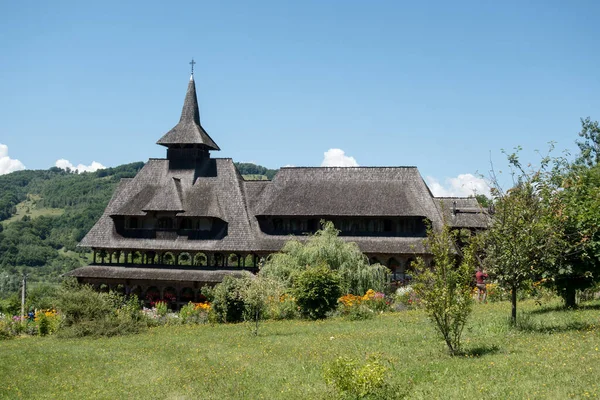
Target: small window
387,225
165,223
187,224
132,223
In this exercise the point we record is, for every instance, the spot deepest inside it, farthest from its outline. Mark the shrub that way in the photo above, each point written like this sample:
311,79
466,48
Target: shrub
82,303
317,290
41,297
228,302
86,312
352,379
282,307
161,308
5,327
11,305
208,292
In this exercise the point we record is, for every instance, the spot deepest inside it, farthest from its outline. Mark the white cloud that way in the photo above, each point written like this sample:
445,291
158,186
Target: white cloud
337,158
64,164
7,164
461,186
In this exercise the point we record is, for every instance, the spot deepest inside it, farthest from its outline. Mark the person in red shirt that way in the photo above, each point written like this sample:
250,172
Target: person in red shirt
481,276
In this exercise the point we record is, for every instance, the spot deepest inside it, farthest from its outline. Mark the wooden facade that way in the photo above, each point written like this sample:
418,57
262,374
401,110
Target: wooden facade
189,214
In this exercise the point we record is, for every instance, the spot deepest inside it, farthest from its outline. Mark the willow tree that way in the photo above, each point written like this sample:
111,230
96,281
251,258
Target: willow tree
325,247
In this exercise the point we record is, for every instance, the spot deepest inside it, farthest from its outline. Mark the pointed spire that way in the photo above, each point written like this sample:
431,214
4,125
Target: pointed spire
189,130
190,112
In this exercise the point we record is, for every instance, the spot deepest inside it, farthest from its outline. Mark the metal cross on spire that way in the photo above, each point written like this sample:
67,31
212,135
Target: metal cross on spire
192,64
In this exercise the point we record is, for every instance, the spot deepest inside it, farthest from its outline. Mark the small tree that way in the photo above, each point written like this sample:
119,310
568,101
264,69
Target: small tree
256,296
317,290
445,289
523,242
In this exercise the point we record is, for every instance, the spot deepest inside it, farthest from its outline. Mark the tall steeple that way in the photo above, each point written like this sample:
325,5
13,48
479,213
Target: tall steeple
189,132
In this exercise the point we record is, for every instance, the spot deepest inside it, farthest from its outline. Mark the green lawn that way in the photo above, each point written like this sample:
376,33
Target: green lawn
557,357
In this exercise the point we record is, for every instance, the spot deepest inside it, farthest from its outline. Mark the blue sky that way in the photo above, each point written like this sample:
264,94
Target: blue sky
440,85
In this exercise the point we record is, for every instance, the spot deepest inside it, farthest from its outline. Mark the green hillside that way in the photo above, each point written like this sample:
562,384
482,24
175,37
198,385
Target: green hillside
45,213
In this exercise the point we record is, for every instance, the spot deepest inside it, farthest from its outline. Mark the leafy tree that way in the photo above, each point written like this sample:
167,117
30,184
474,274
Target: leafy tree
580,264
445,288
253,169
578,218
590,145
317,290
326,248
483,200
522,241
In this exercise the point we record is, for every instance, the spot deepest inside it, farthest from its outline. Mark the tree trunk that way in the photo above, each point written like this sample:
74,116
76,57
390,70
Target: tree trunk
570,297
513,299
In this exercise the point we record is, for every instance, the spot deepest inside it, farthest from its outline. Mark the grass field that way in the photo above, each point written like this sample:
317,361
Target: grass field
555,355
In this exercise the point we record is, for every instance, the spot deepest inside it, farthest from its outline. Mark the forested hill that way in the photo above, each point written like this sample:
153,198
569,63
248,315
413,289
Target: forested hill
45,213
253,171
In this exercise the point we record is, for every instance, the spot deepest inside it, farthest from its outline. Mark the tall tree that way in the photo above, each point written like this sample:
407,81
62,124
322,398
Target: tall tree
578,194
579,220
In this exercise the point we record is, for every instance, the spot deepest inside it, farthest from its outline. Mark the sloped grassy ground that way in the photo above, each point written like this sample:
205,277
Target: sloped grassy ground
556,354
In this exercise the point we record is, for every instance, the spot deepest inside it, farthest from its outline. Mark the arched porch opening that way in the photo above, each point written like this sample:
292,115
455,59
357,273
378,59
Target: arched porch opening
170,296
168,258
219,260
150,257
397,271
187,295
136,291
136,257
184,259
152,295
200,259
233,260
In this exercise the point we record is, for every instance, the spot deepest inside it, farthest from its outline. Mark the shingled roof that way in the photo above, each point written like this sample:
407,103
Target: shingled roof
463,212
347,191
317,192
189,131
221,196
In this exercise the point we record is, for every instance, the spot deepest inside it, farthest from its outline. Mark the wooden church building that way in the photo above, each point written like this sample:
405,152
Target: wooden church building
190,219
